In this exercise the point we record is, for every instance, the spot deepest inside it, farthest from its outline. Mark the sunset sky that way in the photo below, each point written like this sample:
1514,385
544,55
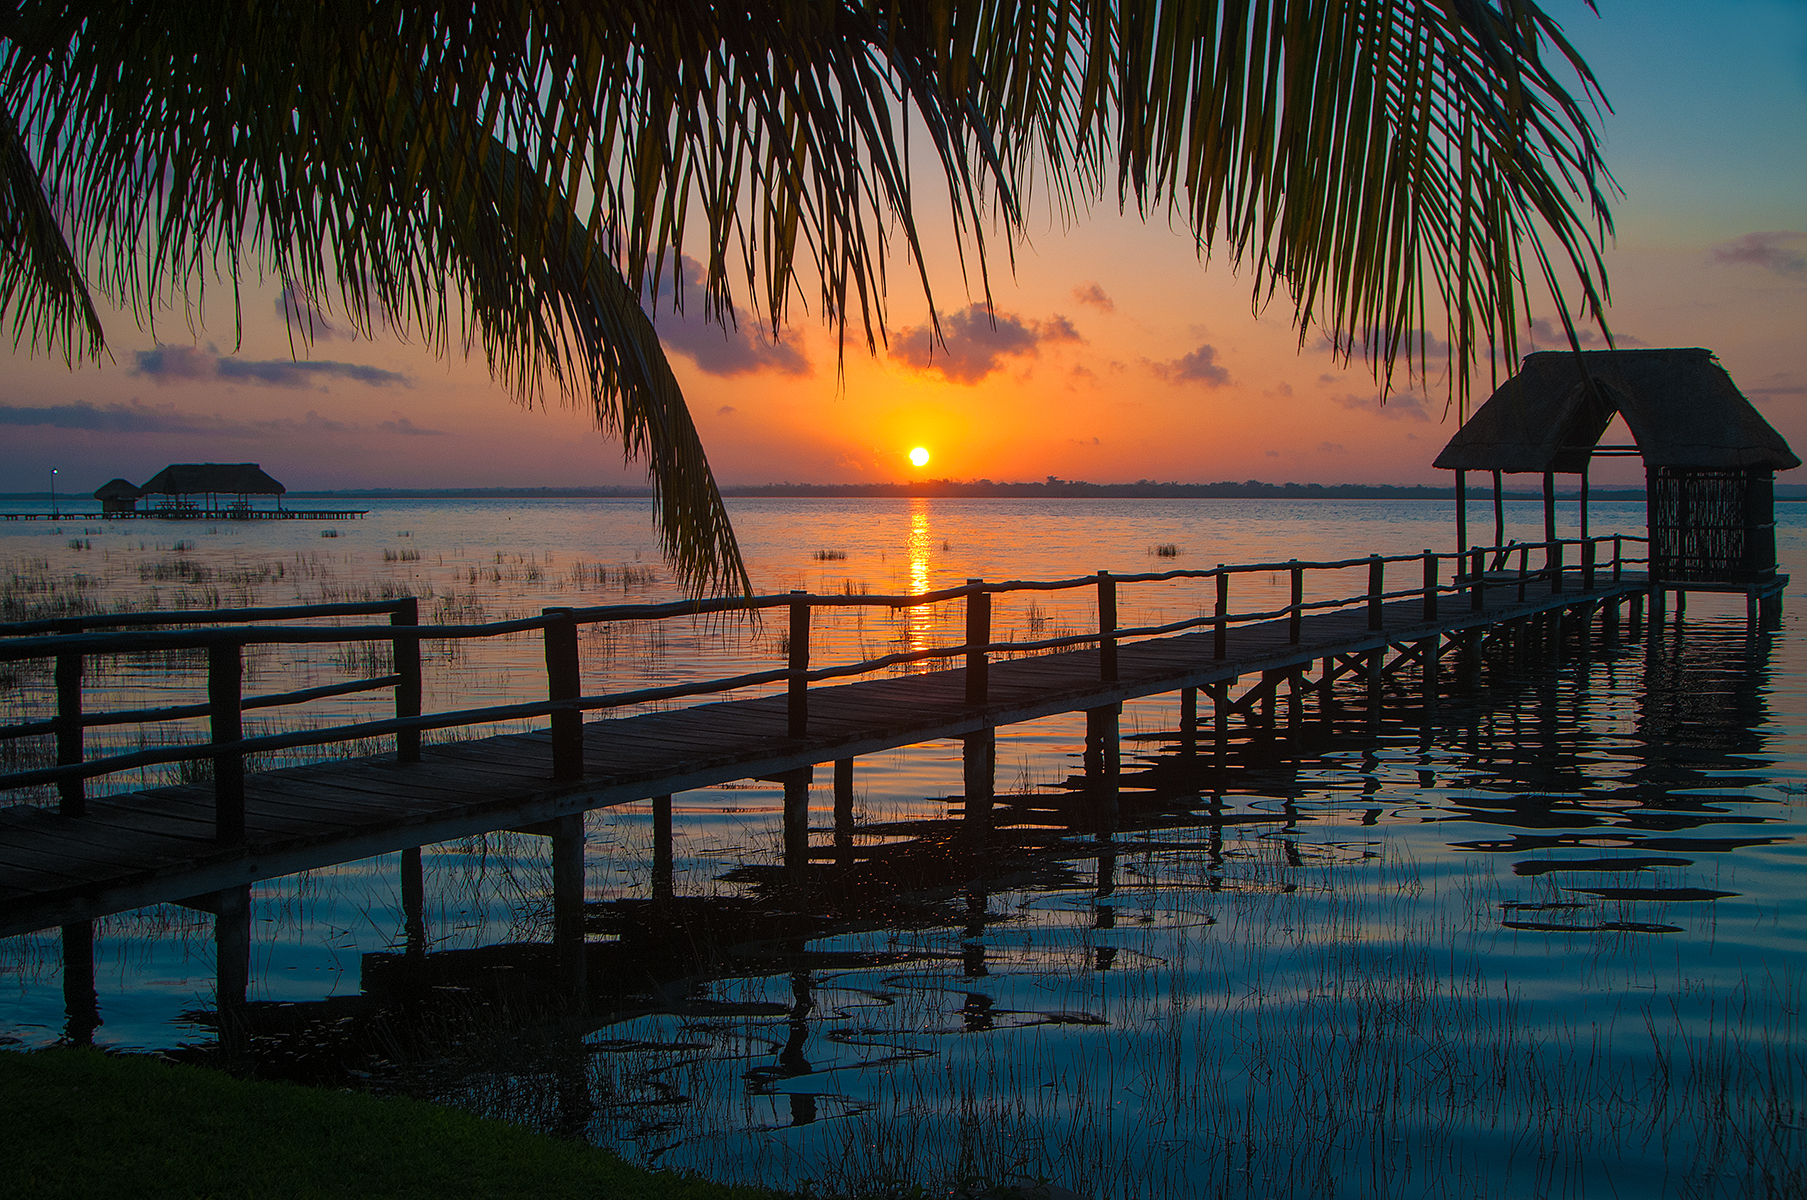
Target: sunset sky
1115,355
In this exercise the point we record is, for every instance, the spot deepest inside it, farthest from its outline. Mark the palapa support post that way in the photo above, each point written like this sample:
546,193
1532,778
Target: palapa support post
843,811
662,872
1769,610
1499,510
1618,556
1295,620
1461,512
796,823
564,682
225,679
1555,561
1430,587
1583,521
1376,576
797,711
405,657
1107,624
1549,506
81,1002
978,634
414,902
1477,581
1220,634
568,940
1524,571
231,910
72,794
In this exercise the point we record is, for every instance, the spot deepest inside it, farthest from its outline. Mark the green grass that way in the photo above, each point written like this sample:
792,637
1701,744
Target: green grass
81,1123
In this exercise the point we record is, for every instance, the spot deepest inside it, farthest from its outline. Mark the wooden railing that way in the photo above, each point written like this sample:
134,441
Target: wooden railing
71,640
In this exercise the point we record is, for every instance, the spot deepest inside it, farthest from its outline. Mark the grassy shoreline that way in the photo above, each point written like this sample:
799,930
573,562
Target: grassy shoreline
83,1123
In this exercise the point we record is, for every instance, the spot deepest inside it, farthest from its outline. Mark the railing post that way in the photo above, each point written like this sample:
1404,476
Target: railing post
1587,564
1376,576
564,682
1295,620
72,794
1107,622
978,633
1554,558
1618,555
405,654
225,679
1221,635
798,712
1477,581
1430,586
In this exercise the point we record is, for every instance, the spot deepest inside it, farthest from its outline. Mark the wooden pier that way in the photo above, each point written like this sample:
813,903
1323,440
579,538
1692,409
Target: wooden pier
93,856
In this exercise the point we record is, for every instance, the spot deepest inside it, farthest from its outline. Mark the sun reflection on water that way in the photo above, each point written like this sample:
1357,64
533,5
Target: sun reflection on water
915,631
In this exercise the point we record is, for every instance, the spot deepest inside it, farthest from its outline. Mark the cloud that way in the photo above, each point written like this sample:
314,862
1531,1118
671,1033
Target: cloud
978,341
1200,366
277,372
1770,251
307,318
137,417
171,364
403,425
740,347
175,362
1548,331
1331,447
1090,293
726,410
1402,407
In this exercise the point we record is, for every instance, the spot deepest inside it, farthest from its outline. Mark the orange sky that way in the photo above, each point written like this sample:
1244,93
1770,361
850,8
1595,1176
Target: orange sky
1116,356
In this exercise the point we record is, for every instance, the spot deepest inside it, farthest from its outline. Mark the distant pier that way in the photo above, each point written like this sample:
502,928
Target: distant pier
201,514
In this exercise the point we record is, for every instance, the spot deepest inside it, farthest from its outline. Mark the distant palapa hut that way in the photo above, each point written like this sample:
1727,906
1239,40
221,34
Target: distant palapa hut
180,481
1709,456
117,496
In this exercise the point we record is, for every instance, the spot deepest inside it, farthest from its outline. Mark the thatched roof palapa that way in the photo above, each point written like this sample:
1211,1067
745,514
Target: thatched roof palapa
117,489
1681,406
193,479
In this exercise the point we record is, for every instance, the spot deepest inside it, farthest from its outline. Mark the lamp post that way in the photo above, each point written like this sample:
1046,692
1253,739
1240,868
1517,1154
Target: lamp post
53,508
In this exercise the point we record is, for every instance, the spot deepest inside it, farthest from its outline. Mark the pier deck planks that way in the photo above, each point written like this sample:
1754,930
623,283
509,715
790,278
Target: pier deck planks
146,847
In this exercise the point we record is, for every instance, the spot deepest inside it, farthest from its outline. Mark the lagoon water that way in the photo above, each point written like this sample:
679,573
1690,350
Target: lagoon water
1548,940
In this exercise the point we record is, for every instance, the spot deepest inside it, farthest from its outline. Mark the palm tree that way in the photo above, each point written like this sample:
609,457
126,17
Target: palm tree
519,176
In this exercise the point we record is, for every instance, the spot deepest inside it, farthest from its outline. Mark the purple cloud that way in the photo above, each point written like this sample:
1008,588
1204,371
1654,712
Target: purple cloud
1092,294
1200,366
739,347
978,340
1770,251
167,364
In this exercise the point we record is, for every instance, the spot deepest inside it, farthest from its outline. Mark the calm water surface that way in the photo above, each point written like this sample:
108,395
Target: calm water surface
1544,941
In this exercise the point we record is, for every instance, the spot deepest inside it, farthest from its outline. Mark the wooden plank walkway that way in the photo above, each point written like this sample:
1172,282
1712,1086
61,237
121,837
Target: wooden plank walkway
148,847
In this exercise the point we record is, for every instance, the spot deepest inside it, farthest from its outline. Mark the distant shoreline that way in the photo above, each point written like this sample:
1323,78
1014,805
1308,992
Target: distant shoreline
981,489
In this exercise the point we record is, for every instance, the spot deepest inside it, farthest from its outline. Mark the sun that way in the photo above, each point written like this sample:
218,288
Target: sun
919,457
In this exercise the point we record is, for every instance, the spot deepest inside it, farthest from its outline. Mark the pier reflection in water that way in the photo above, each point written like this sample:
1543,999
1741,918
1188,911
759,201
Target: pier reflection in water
1499,942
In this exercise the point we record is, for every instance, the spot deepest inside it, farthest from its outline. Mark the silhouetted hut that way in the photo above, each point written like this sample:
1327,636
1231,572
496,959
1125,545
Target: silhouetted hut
117,497
211,480
1709,457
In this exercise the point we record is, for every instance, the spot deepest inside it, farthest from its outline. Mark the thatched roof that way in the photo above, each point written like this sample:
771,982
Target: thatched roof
193,479
117,489
1681,406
